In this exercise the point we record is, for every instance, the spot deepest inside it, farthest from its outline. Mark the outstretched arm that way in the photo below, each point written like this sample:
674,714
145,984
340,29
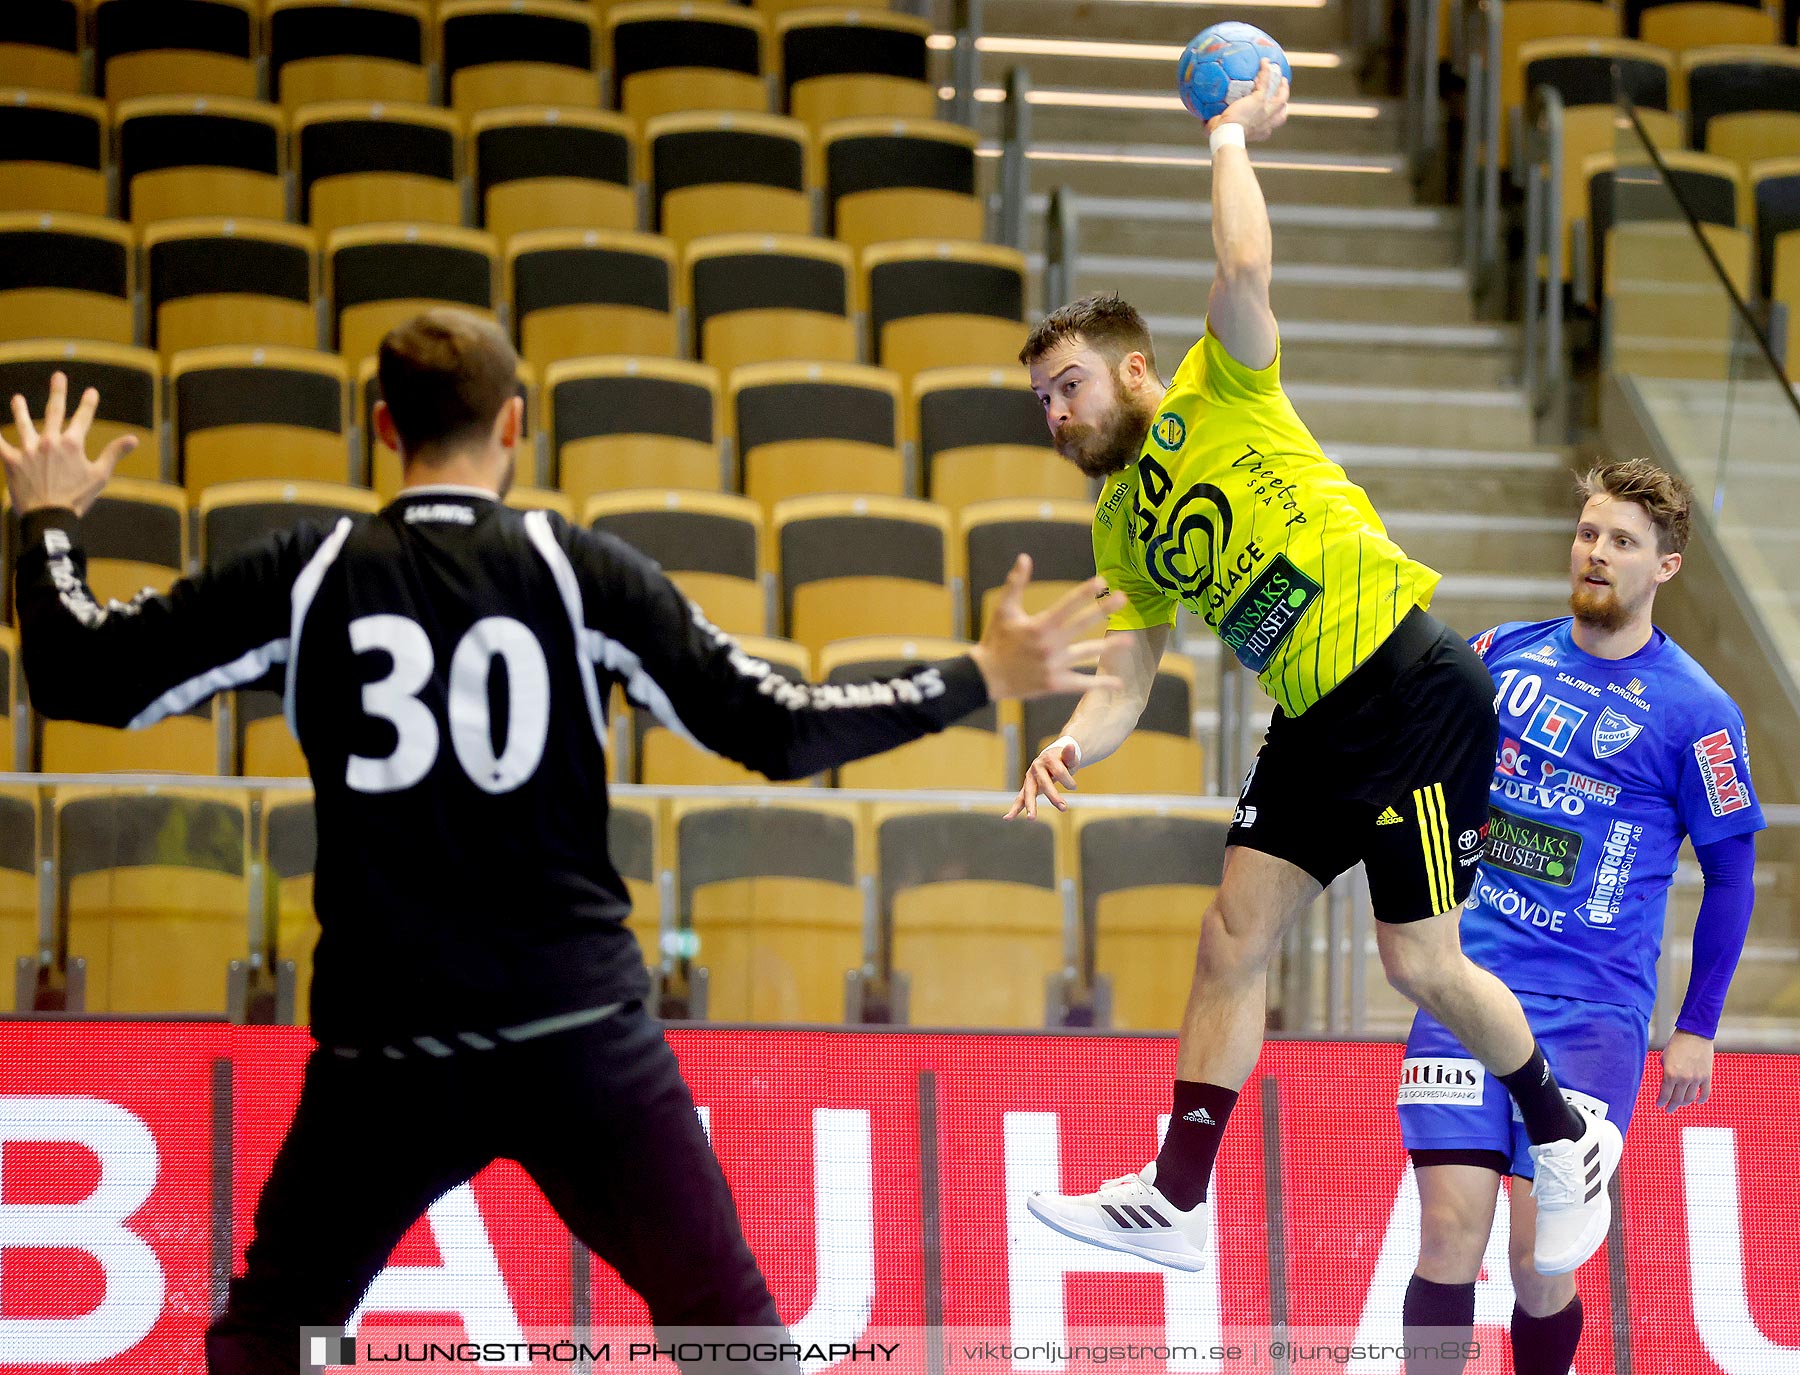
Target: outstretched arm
1237,312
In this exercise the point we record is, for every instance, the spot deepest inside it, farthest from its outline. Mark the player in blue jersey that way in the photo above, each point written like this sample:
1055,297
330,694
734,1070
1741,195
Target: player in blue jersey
1614,745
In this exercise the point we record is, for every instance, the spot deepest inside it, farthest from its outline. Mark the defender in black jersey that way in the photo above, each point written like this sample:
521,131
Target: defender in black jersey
444,665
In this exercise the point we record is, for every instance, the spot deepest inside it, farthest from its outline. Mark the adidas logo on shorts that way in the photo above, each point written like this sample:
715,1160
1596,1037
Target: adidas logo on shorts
1390,817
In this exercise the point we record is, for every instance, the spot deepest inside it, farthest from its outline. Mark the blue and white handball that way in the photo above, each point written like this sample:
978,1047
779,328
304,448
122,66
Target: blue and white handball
1220,66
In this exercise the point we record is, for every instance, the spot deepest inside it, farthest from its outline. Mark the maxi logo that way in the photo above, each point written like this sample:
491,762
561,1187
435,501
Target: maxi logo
1553,726
1618,852
1532,849
1261,620
1613,732
1726,791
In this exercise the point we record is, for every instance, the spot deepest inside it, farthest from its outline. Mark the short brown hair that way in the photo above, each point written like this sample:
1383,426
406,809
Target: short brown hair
1111,327
445,375
1666,498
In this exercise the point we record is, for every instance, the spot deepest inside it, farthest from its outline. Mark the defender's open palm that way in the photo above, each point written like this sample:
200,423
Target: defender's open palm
50,468
1032,656
1261,112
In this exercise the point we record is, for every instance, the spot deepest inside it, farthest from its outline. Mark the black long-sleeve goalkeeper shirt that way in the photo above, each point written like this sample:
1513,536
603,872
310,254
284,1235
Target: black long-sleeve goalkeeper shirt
445,666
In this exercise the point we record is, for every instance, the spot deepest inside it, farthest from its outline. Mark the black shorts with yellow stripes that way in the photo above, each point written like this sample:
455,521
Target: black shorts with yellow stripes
1390,769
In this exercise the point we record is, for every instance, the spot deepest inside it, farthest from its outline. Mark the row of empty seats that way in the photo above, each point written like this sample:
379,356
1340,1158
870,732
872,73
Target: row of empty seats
244,734
908,305
345,163
774,907
642,59
770,431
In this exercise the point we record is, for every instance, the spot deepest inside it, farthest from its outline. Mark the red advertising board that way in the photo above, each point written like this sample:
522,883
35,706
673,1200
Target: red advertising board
881,1178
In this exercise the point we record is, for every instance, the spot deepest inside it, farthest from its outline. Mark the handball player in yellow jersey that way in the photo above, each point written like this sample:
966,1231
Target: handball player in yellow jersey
1382,745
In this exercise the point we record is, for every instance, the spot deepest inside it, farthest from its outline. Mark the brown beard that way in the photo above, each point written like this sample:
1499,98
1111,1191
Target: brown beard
1108,448
1599,608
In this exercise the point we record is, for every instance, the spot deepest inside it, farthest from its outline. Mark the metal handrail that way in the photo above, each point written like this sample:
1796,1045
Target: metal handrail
965,61
1061,247
1541,162
1015,170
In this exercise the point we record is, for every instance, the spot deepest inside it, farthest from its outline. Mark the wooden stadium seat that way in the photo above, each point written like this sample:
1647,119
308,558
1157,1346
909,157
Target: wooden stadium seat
731,173
66,277
1160,756
1713,187
326,50
136,536
382,464
580,293
1784,286
263,746
12,684
360,162
1775,195
888,179
944,304
243,415
1683,24
549,168
187,743
770,892
634,842
970,754
245,282
853,63
806,428
863,565
522,498
981,437
52,150
40,45
128,379
155,894
1524,21
1059,536
1750,94
1665,315
21,934
175,47
183,156
974,918
667,57
709,543
619,423
1146,880
236,515
289,847
380,276
500,53
771,298
665,759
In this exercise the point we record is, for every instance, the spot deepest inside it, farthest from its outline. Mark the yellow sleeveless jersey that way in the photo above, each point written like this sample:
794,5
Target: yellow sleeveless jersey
1233,510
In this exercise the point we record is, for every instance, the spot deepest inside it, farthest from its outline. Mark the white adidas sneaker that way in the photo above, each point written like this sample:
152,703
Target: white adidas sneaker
1573,1207
1129,1214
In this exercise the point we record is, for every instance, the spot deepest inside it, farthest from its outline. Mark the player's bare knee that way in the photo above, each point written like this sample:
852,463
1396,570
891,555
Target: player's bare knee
1539,1295
1234,942
1422,972
1450,1247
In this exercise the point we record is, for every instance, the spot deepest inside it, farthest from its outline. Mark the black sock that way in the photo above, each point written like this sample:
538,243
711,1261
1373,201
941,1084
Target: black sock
1546,1346
1438,1315
1547,1114
1184,1164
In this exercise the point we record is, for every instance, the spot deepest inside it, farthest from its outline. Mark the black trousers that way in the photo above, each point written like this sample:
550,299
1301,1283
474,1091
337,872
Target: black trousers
600,1118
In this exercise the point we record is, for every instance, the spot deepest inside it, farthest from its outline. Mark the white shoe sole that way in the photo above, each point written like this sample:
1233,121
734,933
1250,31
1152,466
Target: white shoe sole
1112,1241
1593,1236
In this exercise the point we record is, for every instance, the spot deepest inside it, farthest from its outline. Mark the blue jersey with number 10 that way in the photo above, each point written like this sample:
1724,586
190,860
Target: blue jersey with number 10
1604,765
